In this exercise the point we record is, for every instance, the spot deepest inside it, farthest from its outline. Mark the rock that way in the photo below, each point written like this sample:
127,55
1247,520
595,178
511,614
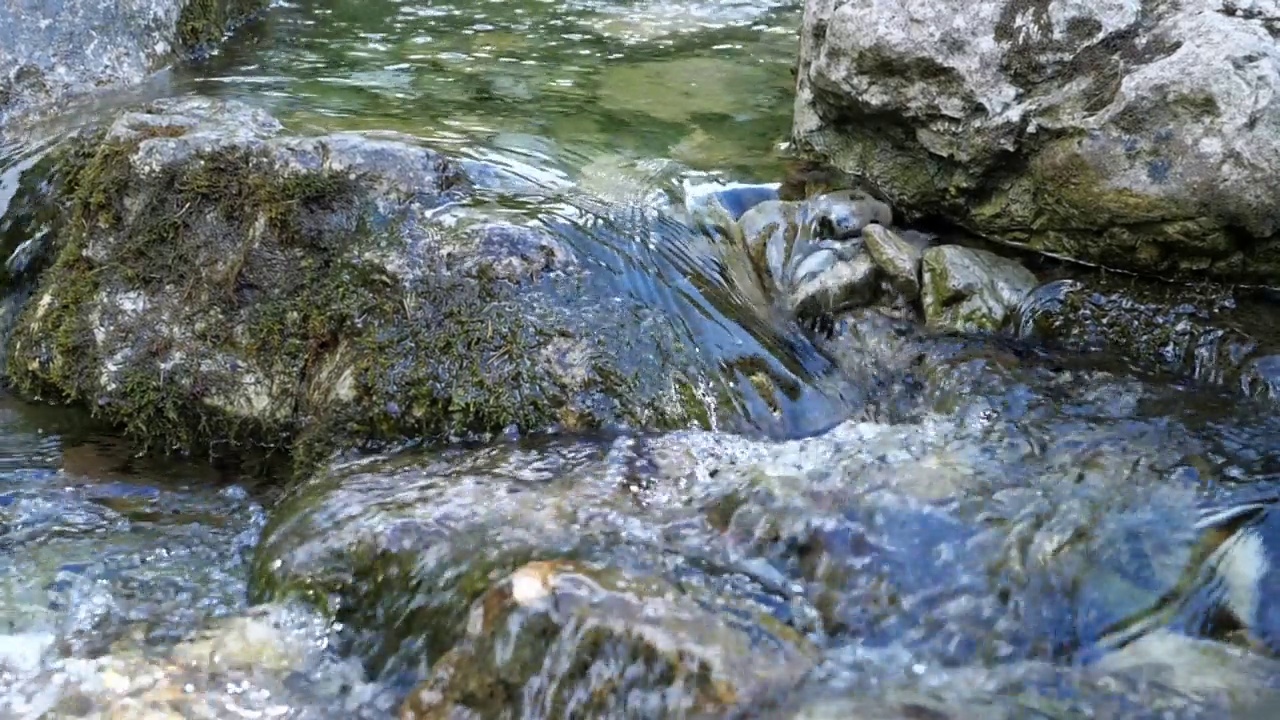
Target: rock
563,639
970,290
829,282
789,243
268,661
1204,332
1211,680
1261,377
959,539
1202,669
51,52
222,285
401,547
1128,134
898,259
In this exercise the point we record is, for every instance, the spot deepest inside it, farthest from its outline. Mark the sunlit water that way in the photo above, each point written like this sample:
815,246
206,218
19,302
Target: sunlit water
114,567
571,84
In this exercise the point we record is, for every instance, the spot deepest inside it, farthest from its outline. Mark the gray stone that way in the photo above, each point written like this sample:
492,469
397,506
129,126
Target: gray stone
898,259
970,290
1129,134
836,283
55,50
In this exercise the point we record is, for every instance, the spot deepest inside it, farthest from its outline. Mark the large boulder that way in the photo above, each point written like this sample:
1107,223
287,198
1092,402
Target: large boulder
52,51
1129,134
216,282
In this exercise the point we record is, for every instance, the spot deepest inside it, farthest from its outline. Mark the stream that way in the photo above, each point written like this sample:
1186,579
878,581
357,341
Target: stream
880,556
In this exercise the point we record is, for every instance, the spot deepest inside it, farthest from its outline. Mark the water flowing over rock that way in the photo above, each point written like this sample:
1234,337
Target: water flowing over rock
220,283
985,546
1211,334
1129,134
52,51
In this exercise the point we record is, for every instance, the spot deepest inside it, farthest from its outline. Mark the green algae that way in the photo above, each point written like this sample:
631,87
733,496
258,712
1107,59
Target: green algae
203,22
284,294
226,304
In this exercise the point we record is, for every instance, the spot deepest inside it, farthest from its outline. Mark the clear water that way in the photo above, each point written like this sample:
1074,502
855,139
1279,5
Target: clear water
118,574
574,84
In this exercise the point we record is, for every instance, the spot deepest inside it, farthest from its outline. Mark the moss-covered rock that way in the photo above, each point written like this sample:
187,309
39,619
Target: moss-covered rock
221,286
1135,135
202,22
966,289
399,548
897,257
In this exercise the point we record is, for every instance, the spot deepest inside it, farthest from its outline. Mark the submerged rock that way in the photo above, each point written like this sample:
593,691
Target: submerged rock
1203,332
268,661
562,639
1128,134
1164,676
221,284
1021,528
54,51
967,289
805,255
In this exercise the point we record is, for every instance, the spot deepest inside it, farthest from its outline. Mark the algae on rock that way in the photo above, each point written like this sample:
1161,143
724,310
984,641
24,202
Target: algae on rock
221,286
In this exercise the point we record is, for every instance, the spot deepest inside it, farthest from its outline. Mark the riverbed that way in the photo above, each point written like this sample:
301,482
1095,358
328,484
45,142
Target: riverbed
877,536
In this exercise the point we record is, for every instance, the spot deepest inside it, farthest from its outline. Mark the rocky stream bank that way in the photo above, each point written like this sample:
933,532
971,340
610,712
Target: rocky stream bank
556,450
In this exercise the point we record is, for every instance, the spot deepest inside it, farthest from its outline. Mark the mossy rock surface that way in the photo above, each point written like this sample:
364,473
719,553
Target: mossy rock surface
568,639
968,290
203,22
218,285
400,547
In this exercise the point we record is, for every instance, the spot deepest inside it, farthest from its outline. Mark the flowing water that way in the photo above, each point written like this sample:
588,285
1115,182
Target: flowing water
124,581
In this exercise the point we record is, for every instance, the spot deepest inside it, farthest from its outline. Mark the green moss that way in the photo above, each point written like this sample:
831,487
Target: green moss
206,21
245,263
50,353
155,243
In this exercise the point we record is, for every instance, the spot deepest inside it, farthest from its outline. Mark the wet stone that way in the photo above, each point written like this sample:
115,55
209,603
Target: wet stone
52,53
239,667
562,639
1202,332
1261,377
896,257
960,539
829,281
1166,675
969,290
420,292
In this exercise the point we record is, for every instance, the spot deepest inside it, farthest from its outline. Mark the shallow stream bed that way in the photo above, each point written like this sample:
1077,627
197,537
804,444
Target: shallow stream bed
967,538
